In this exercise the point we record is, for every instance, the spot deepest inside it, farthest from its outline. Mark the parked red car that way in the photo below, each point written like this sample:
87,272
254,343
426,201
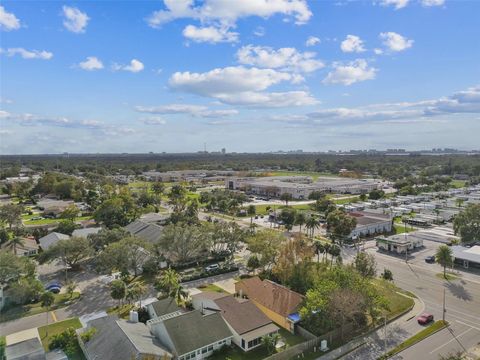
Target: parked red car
424,319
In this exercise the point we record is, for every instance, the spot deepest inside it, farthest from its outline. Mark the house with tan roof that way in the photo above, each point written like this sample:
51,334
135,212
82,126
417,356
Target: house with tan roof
245,320
277,302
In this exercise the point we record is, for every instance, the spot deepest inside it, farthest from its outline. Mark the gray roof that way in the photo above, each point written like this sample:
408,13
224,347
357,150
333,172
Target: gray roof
165,306
242,315
86,231
463,253
121,340
192,331
30,349
51,239
149,232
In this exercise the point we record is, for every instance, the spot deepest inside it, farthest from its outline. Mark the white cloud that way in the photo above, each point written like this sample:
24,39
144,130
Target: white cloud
154,120
259,31
430,3
350,73
209,34
242,86
352,43
5,132
227,12
378,51
8,21
5,100
232,79
312,41
91,63
194,110
135,66
395,42
398,4
286,59
269,99
28,54
74,20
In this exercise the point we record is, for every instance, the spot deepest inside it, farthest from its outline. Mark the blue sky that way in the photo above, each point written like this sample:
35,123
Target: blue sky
255,75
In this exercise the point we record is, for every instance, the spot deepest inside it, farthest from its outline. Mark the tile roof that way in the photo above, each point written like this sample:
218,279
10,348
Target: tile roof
192,331
52,239
149,232
242,315
273,296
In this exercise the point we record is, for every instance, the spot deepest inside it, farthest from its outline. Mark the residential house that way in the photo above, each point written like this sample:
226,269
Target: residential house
28,247
192,335
148,232
51,239
120,340
83,233
163,309
277,302
245,320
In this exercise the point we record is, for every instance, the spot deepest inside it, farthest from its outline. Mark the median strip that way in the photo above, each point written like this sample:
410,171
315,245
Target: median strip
432,329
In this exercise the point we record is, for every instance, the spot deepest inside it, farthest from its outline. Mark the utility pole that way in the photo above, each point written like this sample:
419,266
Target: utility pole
444,310
385,337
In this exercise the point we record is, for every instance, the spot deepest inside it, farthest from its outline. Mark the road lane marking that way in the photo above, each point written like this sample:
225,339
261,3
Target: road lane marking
449,309
456,337
54,317
461,322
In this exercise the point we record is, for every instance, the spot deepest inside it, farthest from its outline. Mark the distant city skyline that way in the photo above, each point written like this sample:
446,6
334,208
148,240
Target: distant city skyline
250,76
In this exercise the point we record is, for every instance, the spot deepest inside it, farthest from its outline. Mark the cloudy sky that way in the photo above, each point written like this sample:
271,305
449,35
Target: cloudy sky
250,75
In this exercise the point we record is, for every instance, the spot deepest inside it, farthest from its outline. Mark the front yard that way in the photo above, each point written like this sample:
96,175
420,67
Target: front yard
48,332
19,311
235,353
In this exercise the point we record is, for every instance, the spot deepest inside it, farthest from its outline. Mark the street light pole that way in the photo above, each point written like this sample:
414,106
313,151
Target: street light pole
444,310
385,337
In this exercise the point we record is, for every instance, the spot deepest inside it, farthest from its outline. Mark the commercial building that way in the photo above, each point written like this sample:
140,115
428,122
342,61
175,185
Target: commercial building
300,187
370,223
467,257
398,244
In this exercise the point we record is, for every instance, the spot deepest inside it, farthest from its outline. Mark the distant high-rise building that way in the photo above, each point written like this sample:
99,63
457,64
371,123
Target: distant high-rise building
224,151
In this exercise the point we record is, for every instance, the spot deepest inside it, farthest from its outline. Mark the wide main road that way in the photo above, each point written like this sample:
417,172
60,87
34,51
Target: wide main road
462,302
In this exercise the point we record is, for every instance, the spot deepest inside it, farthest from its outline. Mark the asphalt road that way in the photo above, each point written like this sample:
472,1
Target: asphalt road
462,302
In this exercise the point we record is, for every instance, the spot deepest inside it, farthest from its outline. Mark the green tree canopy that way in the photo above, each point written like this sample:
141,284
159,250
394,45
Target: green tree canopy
467,224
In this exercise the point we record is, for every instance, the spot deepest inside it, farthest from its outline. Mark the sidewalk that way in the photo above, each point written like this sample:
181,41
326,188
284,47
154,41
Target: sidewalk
372,345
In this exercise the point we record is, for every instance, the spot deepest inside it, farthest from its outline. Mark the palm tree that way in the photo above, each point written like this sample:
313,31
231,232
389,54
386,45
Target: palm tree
179,294
16,241
300,220
46,300
251,211
319,248
335,252
168,281
326,250
311,224
444,257
135,291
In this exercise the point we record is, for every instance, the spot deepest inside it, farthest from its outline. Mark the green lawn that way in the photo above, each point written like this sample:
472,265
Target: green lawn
122,311
347,200
400,229
52,221
314,175
448,276
458,183
438,325
235,353
212,288
397,302
47,332
15,312
2,346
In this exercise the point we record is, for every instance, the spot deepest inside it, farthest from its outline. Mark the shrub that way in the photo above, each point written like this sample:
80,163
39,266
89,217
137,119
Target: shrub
67,341
88,334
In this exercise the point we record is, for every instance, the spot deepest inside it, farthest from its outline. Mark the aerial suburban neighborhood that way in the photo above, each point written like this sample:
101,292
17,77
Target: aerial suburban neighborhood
239,180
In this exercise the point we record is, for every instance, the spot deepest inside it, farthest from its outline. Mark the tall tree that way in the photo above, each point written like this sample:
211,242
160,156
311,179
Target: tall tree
71,251
127,255
311,224
118,290
300,220
265,245
16,242
286,197
11,214
340,225
444,257
46,300
365,264
467,224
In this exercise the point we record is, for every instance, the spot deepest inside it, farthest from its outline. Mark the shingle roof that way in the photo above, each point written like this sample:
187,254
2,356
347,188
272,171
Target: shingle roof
242,315
148,232
121,340
86,231
192,331
165,306
52,239
273,296
30,349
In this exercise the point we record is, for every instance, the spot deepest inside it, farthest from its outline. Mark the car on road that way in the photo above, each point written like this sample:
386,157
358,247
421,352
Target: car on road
212,267
424,319
54,287
36,218
430,259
